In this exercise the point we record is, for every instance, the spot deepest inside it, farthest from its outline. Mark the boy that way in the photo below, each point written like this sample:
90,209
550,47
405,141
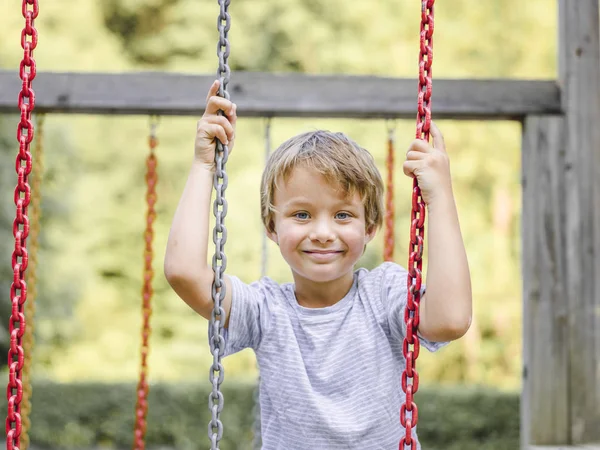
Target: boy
329,345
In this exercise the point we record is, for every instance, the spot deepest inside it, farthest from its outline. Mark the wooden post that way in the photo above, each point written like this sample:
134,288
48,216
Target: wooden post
545,399
561,248
579,64
579,73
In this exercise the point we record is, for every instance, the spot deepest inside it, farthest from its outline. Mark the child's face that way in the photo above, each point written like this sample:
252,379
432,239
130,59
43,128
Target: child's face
320,231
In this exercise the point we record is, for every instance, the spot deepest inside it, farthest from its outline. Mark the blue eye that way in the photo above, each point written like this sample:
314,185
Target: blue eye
301,215
342,216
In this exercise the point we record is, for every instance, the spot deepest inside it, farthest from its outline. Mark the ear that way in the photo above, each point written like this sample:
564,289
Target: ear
370,234
273,236
271,233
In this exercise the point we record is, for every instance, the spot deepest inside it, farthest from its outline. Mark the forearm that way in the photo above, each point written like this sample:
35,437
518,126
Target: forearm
187,246
447,307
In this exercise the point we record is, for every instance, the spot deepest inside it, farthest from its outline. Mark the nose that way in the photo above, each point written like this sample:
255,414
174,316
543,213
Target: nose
322,231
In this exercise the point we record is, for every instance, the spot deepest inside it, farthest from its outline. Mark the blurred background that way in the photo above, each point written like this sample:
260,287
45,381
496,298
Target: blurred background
88,309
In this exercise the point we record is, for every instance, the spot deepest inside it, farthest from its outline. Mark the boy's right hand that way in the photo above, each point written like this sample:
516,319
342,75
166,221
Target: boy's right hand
213,126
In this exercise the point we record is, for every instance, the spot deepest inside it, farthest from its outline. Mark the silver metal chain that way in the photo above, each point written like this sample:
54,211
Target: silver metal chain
265,256
219,261
257,441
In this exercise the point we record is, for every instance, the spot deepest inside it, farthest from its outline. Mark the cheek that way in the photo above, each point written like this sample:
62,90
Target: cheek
355,238
291,236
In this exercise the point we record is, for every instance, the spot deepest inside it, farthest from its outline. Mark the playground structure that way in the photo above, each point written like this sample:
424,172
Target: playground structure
560,176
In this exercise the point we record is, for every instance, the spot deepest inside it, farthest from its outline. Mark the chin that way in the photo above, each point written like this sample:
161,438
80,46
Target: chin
323,273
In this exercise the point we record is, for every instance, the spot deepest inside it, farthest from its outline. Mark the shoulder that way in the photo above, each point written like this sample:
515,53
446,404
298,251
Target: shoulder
376,285
385,273
265,290
388,280
256,308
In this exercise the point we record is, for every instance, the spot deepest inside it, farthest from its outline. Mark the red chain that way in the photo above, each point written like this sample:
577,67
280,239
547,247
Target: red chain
22,197
410,377
141,407
388,238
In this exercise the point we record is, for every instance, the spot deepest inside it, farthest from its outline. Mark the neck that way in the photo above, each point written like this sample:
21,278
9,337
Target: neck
313,294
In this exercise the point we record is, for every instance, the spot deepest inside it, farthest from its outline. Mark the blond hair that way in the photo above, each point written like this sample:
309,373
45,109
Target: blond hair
334,155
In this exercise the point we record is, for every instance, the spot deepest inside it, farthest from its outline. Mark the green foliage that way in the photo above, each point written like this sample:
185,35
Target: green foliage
7,216
56,299
373,37
101,415
151,32
89,316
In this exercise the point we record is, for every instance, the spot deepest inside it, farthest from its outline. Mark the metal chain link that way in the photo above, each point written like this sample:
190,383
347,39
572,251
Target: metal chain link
141,407
22,197
265,256
219,261
411,347
409,414
35,213
388,237
257,441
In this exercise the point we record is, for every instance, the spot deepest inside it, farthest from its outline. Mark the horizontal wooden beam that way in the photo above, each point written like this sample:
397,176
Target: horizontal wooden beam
283,95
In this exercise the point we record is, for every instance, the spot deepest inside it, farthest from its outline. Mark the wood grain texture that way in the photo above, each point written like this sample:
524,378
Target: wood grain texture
283,95
579,63
545,397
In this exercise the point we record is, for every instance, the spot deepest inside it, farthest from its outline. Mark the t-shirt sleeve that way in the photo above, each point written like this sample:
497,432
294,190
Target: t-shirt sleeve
247,311
394,293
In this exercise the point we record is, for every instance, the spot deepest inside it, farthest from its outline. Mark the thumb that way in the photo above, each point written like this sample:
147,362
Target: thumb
438,138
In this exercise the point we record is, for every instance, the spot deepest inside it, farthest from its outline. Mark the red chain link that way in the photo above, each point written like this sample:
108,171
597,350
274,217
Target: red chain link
141,407
22,197
388,237
410,377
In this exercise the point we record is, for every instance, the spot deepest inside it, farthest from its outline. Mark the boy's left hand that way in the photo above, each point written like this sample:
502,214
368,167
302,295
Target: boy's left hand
431,165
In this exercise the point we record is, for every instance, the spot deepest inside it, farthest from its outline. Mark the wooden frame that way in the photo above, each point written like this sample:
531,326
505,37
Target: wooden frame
289,95
560,406
561,247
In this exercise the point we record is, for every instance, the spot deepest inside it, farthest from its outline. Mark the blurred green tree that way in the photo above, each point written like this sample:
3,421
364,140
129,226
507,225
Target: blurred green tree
57,293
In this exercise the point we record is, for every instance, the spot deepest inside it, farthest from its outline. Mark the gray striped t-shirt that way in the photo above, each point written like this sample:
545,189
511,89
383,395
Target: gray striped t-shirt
330,377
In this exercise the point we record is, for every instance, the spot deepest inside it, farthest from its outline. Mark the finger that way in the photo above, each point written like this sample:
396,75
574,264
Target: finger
419,145
233,115
413,155
438,138
223,122
409,167
216,104
214,130
212,91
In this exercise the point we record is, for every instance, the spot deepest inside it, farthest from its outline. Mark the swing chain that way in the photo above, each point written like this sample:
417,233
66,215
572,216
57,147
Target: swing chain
388,237
141,407
219,261
32,279
22,198
257,434
425,63
411,346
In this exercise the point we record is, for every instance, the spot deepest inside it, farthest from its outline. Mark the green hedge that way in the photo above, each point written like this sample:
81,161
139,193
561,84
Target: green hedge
69,416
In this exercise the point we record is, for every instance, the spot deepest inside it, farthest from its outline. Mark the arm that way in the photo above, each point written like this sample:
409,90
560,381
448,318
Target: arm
185,265
446,307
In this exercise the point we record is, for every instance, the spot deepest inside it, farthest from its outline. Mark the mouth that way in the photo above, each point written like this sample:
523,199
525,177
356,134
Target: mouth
322,256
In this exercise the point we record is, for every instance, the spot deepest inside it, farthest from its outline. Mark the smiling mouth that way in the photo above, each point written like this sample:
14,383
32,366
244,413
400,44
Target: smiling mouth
323,256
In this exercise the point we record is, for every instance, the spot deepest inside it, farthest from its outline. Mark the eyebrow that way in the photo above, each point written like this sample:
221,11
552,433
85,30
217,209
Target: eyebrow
302,202
296,202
